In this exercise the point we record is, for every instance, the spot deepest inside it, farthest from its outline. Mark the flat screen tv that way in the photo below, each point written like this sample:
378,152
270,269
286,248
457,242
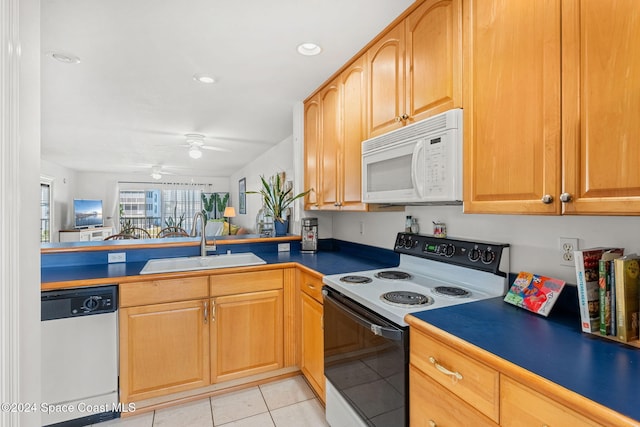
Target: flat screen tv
87,213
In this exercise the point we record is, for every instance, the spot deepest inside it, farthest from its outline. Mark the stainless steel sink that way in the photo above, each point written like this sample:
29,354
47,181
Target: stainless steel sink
169,265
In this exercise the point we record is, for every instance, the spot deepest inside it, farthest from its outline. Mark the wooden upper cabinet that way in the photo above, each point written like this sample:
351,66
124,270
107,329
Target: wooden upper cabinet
311,150
354,131
538,129
330,143
601,103
433,59
511,106
385,61
415,69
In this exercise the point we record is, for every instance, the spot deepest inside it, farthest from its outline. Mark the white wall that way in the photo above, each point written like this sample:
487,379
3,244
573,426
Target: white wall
277,159
534,239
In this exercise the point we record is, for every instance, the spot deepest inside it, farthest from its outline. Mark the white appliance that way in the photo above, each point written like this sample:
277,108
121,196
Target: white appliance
79,356
367,378
420,163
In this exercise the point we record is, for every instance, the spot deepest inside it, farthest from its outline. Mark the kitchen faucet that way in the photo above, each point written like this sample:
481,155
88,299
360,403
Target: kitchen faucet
203,239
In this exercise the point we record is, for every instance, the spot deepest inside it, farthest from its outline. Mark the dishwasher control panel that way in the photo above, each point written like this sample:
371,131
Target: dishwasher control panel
78,302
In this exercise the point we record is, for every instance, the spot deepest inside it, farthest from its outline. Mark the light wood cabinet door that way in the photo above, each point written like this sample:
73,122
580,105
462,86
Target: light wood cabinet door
601,101
522,406
164,348
354,131
311,151
312,364
330,146
246,334
431,405
385,61
512,106
433,55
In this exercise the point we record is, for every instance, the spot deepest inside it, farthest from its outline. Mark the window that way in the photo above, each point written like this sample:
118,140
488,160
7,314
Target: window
154,209
46,202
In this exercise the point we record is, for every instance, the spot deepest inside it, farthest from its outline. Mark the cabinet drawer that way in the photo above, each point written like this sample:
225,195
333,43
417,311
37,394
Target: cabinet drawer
476,383
311,285
522,406
432,405
165,290
239,283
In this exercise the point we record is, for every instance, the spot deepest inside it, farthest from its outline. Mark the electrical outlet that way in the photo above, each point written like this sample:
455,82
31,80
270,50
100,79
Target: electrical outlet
117,257
284,247
567,245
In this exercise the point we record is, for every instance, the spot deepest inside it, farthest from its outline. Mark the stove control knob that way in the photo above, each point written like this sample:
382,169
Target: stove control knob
488,256
449,250
474,254
408,244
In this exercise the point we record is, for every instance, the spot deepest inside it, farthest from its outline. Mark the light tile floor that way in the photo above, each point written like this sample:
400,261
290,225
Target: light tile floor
286,403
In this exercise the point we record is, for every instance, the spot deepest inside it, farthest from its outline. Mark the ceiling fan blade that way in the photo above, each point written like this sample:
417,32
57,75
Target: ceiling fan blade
208,147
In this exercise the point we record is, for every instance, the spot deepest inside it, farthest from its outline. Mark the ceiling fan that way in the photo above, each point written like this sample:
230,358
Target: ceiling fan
195,142
157,172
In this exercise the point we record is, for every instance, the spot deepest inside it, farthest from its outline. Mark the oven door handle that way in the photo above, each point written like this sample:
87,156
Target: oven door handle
382,331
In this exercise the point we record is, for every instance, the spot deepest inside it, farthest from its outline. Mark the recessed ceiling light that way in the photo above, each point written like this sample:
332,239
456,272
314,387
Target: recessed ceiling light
309,49
65,58
156,175
204,78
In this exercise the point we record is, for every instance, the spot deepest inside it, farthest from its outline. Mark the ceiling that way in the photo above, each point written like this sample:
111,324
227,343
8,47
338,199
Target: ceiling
127,105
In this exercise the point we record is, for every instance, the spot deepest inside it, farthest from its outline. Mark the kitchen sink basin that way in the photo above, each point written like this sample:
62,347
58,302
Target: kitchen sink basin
169,265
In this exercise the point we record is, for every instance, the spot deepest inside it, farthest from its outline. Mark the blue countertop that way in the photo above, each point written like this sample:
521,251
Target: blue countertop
337,257
554,348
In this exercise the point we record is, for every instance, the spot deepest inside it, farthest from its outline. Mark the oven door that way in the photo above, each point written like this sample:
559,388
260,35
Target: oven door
366,362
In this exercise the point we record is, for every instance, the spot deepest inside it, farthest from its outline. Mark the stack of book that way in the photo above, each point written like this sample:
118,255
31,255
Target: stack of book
608,292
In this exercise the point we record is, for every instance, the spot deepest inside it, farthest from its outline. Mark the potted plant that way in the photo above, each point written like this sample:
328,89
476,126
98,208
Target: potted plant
276,200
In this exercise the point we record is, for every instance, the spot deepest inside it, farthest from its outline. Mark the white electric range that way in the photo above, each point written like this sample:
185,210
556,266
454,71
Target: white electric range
370,306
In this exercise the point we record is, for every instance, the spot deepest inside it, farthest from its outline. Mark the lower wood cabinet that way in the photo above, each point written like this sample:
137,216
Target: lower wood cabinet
432,405
454,383
246,334
312,339
164,348
522,406
179,334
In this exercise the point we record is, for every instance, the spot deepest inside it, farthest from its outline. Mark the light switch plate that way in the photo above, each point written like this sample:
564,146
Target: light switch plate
117,257
284,247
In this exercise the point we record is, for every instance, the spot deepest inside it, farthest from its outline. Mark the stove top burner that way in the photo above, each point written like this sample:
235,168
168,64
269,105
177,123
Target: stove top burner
356,280
406,299
451,291
393,275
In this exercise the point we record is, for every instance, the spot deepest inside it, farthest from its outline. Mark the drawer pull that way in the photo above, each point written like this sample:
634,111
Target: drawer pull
310,286
439,367
432,423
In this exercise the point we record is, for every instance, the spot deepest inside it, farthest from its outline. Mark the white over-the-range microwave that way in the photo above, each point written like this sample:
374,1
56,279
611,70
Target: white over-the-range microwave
419,163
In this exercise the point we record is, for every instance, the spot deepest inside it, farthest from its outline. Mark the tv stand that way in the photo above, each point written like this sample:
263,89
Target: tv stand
85,234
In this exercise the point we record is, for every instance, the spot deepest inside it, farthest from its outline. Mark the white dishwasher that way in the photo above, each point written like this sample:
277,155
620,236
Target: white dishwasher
79,356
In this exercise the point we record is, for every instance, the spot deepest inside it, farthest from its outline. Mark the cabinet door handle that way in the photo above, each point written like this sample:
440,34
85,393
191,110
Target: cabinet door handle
565,197
439,367
213,310
206,311
547,199
404,117
432,423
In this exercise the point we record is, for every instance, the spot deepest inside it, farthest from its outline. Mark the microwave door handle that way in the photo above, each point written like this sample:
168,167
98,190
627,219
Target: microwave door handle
389,333
414,166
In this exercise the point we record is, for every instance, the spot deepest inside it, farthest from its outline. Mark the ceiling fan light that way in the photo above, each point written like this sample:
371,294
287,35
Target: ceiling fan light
195,153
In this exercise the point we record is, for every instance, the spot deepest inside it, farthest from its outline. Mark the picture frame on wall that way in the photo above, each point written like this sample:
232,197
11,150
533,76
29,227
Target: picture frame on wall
242,196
